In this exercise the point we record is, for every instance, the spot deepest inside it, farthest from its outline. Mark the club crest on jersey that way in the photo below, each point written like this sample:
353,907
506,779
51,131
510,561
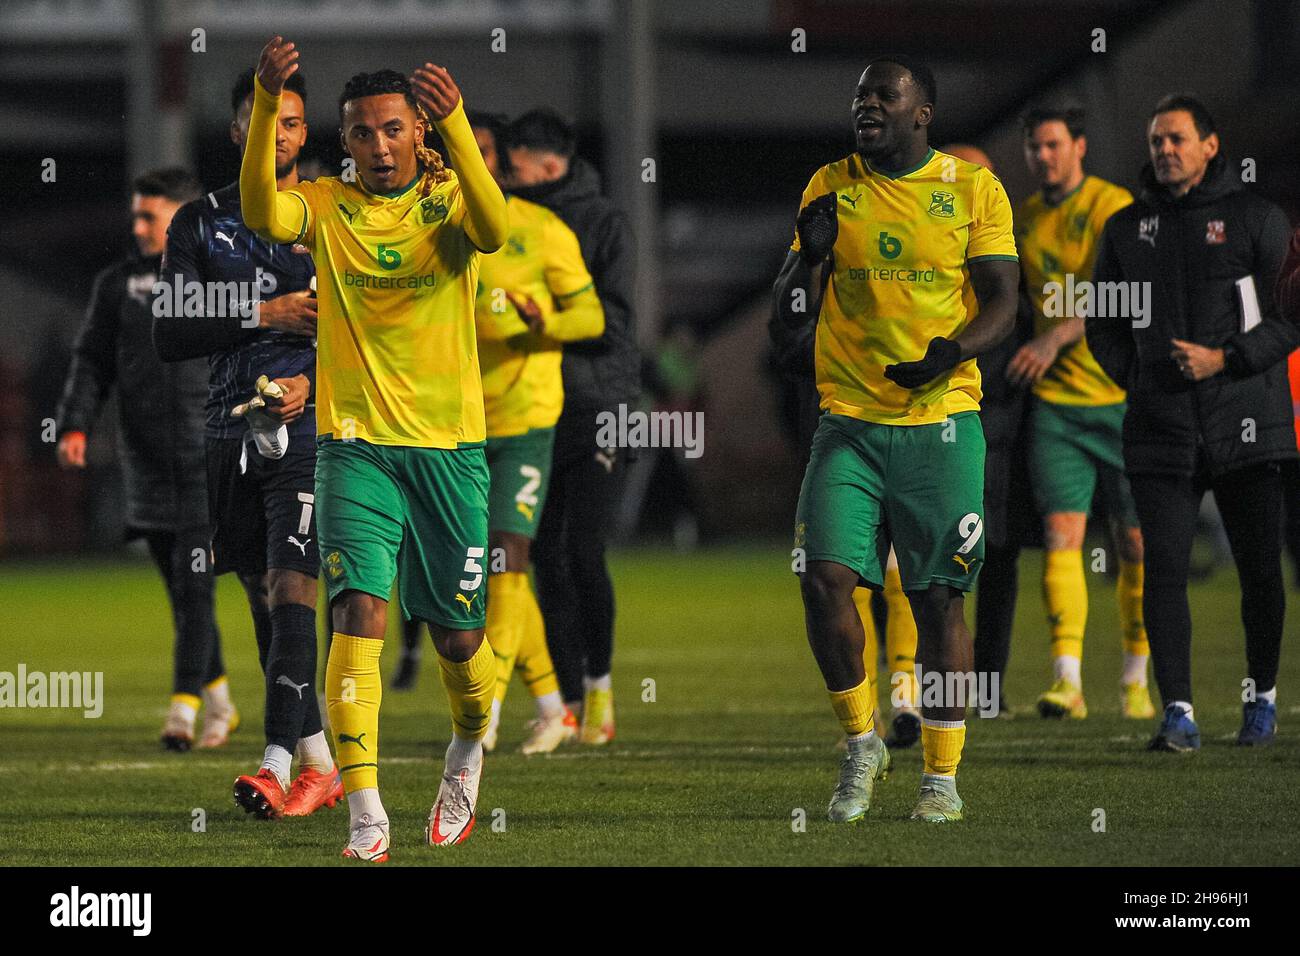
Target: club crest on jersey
1147,229
432,209
515,246
1214,233
1077,226
941,204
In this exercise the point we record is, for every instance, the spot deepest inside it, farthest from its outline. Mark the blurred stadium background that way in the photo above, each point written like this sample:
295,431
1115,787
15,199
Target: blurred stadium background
735,119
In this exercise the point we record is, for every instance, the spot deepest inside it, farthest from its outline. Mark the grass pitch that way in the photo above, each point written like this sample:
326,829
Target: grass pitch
738,739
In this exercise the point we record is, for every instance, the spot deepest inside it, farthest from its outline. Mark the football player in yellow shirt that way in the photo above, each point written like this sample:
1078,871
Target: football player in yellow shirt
1078,412
401,474
534,294
905,257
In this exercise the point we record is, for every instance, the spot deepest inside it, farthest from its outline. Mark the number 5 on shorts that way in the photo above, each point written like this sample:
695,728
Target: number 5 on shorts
473,567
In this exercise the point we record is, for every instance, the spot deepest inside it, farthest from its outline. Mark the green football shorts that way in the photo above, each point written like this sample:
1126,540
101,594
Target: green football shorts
418,514
1076,451
917,487
521,472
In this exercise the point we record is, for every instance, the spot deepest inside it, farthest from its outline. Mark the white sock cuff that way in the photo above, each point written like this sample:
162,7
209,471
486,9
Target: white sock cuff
942,724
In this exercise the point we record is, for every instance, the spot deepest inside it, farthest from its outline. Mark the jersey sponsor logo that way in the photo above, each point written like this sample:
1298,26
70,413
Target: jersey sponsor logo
941,204
1147,229
1214,233
891,247
366,281
872,274
432,209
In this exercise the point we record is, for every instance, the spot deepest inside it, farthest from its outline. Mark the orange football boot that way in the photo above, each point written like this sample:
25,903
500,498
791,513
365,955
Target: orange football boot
312,790
261,795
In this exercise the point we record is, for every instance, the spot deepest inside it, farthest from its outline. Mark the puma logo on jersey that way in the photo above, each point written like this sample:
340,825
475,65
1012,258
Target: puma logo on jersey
301,545
965,565
349,739
468,602
606,458
288,683
344,209
229,239
848,199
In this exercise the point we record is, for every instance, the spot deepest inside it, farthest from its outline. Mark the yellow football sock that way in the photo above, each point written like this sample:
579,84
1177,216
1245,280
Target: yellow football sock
900,640
870,649
1128,591
854,708
187,699
941,745
353,689
469,685
1066,594
215,683
534,661
507,592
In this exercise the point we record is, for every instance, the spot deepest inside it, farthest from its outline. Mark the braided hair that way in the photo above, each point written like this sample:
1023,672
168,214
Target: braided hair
390,81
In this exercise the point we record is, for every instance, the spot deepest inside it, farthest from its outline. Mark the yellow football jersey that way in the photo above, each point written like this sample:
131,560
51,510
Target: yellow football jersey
901,278
397,355
1056,241
541,260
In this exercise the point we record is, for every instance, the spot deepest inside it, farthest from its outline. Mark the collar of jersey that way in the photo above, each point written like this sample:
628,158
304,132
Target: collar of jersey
1064,199
396,192
929,155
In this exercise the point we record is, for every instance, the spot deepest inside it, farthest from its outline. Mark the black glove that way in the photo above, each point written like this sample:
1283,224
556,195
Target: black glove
942,356
817,225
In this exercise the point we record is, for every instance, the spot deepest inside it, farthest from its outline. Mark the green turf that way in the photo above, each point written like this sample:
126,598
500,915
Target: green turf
738,740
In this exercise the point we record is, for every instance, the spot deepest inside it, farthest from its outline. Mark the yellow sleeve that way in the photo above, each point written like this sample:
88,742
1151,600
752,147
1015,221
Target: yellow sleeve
578,312
1112,201
487,223
275,216
498,326
991,231
810,192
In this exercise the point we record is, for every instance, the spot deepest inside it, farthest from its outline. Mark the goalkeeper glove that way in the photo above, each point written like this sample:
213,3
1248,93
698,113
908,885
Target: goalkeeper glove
818,226
270,436
941,357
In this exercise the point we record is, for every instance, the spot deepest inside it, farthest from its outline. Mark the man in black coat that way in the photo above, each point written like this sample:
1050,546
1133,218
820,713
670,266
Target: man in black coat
160,446
573,584
1203,360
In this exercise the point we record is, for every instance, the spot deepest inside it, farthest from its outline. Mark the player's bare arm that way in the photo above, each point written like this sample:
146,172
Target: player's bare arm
293,312
1036,356
996,283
